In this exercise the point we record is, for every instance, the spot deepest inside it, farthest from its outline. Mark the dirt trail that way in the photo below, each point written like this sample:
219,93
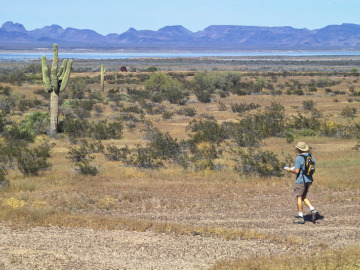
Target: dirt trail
83,248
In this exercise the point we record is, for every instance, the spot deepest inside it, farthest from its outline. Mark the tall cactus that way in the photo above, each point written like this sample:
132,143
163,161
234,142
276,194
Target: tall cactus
55,82
102,75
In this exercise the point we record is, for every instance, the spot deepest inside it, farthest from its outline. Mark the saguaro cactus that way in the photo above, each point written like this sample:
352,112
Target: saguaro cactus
102,75
55,82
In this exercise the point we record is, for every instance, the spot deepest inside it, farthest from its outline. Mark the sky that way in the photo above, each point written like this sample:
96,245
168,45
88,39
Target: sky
117,16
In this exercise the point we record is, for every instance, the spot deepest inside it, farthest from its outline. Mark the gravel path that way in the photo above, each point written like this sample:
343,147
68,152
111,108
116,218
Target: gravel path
84,248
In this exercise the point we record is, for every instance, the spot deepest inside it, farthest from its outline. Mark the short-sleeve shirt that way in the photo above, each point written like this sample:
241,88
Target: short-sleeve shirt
300,164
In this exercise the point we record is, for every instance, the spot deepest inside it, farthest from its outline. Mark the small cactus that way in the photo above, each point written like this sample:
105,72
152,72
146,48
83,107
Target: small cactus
55,82
102,75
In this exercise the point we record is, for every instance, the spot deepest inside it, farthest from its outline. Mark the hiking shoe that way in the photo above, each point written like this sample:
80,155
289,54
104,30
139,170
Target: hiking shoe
299,220
315,215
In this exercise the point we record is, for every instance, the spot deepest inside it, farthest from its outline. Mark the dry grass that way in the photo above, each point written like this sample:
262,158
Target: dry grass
348,258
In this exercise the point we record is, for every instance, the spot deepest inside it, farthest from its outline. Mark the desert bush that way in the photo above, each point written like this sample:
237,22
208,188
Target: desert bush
132,109
350,112
304,121
258,162
84,167
74,127
116,154
308,105
3,180
144,157
222,107
25,104
78,154
35,123
254,127
187,111
76,88
137,95
162,86
203,87
167,115
30,161
289,135
152,69
163,145
206,131
17,135
101,130
2,122
243,107
17,77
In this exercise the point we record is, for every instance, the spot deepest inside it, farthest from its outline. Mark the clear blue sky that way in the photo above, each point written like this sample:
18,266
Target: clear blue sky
116,16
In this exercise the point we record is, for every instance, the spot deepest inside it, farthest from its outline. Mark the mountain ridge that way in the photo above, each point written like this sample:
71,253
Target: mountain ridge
346,36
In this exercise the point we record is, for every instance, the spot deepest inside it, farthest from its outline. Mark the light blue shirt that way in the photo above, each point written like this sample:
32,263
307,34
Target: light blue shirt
300,164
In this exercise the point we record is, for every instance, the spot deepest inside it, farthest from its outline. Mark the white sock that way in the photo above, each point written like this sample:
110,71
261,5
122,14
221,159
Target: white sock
301,214
312,208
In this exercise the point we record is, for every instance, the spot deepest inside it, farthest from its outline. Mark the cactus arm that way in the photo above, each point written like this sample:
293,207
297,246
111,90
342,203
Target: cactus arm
66,76
56,58
61,71
45,74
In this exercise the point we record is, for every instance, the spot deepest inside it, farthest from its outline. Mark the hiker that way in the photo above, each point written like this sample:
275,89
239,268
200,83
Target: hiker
303,182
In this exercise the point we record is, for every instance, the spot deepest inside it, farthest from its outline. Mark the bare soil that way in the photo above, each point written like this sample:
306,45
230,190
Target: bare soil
269,210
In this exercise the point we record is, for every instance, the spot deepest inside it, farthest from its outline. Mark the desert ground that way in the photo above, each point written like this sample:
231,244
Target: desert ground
201,217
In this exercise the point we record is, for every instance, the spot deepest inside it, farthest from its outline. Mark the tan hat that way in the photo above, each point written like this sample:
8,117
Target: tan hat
302,147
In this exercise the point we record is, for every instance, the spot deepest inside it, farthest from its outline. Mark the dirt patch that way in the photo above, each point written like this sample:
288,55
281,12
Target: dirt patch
83,248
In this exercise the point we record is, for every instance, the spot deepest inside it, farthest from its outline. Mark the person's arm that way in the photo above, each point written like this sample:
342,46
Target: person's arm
295,171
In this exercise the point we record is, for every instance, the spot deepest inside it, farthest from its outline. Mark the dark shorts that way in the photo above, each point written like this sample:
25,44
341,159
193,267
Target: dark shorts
301,190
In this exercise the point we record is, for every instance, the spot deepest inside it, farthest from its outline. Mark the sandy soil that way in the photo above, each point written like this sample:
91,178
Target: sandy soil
83,248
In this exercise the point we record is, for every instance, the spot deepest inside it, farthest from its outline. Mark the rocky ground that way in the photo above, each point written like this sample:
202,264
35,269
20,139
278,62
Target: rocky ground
84,248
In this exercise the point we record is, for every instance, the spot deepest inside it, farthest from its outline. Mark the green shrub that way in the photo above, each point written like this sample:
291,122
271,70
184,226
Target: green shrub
305,121
187,111
163,145
308,105
258,162
75,127
289,136
4,182
145,157
242,107
116,154
84,167
17,134
32,161
36,123
350,112
222,107
162,86
78,154
206,131
167,115
102,130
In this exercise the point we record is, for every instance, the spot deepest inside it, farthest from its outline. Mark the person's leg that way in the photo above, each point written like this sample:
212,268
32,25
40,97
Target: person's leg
299,204
314,213
300,218
308,203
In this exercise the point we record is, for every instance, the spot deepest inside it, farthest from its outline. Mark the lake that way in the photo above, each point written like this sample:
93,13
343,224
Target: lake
33,56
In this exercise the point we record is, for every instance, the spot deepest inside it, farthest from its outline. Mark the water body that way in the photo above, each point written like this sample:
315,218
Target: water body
97,56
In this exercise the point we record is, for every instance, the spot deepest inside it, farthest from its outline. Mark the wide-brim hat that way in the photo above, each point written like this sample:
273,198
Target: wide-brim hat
302,146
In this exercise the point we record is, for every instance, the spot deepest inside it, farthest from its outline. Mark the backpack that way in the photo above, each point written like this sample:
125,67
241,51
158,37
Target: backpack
309,165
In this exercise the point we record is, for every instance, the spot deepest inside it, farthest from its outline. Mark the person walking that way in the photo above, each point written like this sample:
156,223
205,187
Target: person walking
302,183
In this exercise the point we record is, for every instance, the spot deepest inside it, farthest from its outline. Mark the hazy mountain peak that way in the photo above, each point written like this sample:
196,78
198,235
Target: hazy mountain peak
13,27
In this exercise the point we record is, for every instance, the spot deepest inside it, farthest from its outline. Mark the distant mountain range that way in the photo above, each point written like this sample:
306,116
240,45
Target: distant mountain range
14,36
